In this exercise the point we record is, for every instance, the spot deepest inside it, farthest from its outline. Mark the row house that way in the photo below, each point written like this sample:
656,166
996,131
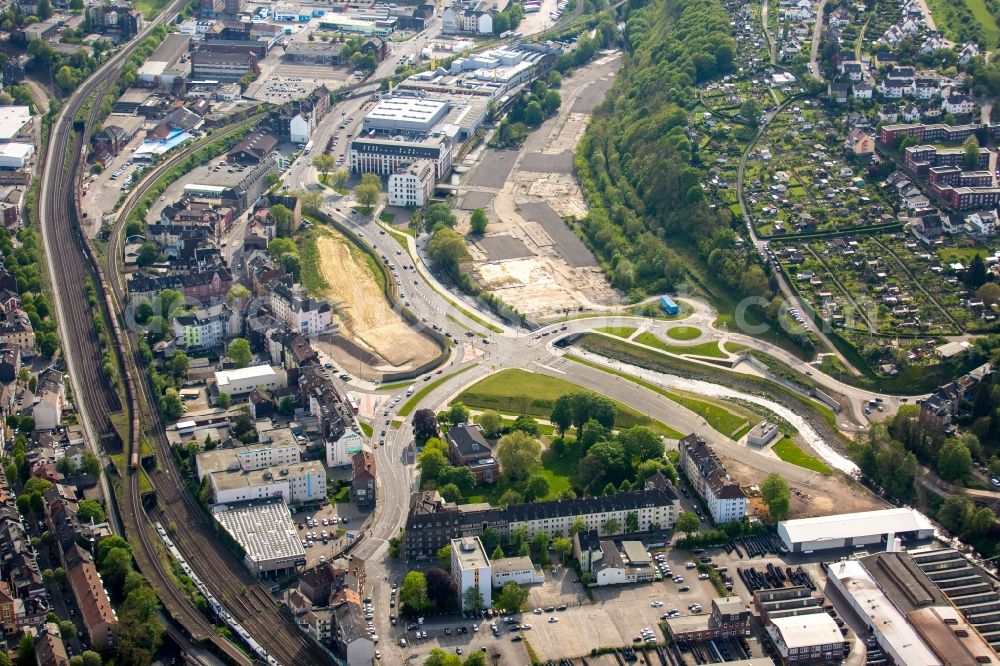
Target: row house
725,499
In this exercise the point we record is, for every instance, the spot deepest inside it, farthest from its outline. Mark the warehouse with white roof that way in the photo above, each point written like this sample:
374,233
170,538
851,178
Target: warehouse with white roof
851,530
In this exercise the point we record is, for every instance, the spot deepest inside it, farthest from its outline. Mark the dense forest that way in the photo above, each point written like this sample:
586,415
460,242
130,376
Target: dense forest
649,221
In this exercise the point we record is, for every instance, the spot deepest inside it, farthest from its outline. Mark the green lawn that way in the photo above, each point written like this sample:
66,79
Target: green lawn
963,254
343,494
790,452
150,8
619,331
366,429
561,473
410,404
719,418
704,349
734,347
683,332
388,218
394,387
522,392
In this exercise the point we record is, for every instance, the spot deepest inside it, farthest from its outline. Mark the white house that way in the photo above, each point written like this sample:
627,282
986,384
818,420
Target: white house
861,91
306,315
299,129
50,400
470,568
725,499
969,51
340,451
520,570
206,328
958,104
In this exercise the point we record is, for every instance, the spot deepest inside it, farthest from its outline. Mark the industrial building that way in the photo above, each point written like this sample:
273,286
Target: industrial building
243,380
762,433
851,530
416,115
470,568
267,535
729,617
13,122
813,638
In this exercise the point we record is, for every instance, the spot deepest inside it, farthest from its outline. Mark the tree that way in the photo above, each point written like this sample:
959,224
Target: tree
237,293
324,163
981,522
224,400
431,461
750,110
91,658
438,215
283,218
26,651
533,114
641,444
424,425
777,496
490,538
562,413
91,463
148,255
447,250
367,195
955,513
970,150
451,492
475,658
108,544
439,657
67,629
286,406
170,404
687,522
563,546
117,565
473,599
441,589
239,352
511,598
536,488
89,510
518,453
458,413
413,595
954,460
339,178
463,478
609,489
491,422
509,497
497,553
631,522
611,526
526,424
443,556
579,525
975,274
478,222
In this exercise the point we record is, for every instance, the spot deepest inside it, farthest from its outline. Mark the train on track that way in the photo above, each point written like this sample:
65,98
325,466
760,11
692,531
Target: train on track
221,613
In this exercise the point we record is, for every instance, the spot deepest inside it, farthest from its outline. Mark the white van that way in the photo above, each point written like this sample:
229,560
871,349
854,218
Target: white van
410,390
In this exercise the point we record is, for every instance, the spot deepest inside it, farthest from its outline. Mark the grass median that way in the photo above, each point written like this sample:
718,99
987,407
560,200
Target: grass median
410,404
710,348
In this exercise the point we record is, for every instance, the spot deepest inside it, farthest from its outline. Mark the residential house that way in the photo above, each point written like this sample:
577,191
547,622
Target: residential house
363,479
725,499
50,400
468,447
99,619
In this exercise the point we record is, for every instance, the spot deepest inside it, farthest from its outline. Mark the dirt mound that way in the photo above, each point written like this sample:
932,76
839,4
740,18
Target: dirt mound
365,314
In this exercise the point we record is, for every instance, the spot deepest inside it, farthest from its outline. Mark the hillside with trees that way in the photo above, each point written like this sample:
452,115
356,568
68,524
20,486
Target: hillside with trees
649,221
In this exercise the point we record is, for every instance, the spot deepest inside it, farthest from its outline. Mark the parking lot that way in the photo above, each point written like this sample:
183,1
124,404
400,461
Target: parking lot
348,521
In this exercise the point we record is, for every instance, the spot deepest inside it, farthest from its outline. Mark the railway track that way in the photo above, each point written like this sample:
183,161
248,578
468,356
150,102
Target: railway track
71,261
226,577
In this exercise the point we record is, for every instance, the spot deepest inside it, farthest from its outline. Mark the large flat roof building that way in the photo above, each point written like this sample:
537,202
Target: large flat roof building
401,113
244,380
266,533
12,121
847,530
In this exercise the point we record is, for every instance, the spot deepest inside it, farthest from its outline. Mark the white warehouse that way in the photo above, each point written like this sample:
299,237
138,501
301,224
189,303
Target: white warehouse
850,530
244,380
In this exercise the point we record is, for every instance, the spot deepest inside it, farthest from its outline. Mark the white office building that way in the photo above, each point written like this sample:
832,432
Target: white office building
301,482
413,185
520,570
470,568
